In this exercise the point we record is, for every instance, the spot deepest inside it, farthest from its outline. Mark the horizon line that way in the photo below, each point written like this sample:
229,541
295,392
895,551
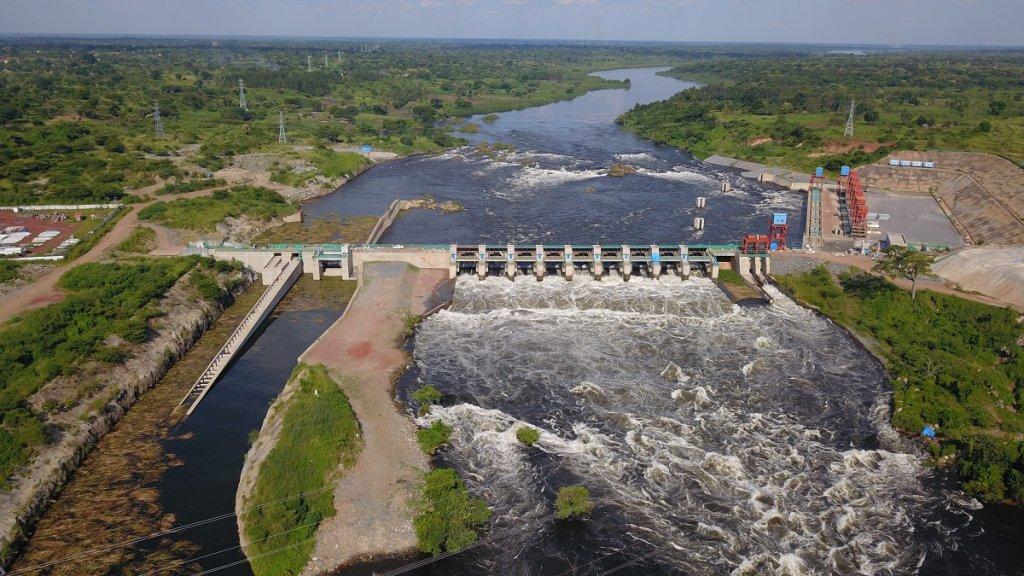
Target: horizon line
210,36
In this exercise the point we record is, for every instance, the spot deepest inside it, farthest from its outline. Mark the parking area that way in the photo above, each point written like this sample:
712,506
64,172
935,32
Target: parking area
917,217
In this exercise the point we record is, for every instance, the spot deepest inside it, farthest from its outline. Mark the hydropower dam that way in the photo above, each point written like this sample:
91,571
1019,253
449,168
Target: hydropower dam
714,438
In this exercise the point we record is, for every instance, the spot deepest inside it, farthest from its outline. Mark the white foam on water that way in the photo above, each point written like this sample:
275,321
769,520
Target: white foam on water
531,177
634,157
678,174
745,468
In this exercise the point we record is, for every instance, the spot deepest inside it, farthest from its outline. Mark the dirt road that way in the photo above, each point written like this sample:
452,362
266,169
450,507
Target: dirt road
361,351
45,291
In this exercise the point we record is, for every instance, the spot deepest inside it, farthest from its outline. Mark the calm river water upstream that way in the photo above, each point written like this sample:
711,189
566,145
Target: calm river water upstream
766,452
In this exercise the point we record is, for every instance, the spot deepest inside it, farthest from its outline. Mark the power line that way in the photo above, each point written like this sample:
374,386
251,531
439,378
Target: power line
245,560
496,536
629,563
175,530
196,558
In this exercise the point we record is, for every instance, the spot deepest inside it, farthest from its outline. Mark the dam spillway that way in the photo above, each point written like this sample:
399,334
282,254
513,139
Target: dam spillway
508,260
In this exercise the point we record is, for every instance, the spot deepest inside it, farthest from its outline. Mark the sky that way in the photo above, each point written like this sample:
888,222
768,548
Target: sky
887,22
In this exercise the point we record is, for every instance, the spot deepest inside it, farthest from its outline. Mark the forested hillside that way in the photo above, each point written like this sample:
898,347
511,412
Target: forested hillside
76,116
791,109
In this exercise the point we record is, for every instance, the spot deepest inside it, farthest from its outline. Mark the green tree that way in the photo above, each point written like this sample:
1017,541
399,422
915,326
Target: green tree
527,435
901,262
573,502
447,516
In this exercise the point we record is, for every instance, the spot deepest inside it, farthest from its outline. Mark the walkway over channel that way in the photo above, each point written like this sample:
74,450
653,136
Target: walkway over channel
278,275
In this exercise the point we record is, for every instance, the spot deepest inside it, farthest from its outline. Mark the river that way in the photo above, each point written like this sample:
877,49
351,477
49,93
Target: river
767,451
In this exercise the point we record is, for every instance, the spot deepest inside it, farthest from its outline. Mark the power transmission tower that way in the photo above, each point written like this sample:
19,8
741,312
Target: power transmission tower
241,95
849,121
281,137
309,63
158,123
339,55
325,60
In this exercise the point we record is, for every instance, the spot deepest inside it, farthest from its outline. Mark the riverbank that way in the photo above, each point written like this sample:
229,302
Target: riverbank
952,365
88,405
362,352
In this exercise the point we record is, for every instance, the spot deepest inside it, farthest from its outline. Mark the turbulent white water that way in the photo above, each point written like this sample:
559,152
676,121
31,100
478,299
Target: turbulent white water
718,439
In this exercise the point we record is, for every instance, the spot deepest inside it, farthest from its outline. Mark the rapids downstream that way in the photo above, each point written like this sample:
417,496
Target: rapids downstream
764,447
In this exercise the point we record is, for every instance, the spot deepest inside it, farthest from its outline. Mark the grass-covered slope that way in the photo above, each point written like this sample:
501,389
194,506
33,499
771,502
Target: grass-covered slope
204,213
952,362
106,312
318,432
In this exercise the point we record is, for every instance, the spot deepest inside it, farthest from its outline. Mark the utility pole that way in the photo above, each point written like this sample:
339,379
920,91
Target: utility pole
241,95
158,123
849,121
281,137
309,63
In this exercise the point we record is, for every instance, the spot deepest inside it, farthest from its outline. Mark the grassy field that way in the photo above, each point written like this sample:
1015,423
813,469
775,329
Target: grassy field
140,241
791,110
319,431
953,363
204,213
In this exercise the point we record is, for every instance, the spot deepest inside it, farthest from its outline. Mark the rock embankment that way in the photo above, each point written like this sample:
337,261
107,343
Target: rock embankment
114,390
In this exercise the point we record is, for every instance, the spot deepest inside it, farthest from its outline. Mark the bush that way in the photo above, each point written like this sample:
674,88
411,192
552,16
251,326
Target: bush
527,435
8,270
426,396
207,288
447,516
434,436
573,502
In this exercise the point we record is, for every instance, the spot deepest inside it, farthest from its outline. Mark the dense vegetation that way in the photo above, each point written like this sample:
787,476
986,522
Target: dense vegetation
573,502
105,303
953,363
76,115
433,437
792,109
319,431
8,270
204,213
447,516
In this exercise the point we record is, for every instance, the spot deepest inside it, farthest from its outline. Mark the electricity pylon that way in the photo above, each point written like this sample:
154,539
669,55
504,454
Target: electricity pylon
281,137
849,121
241,95
158,123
